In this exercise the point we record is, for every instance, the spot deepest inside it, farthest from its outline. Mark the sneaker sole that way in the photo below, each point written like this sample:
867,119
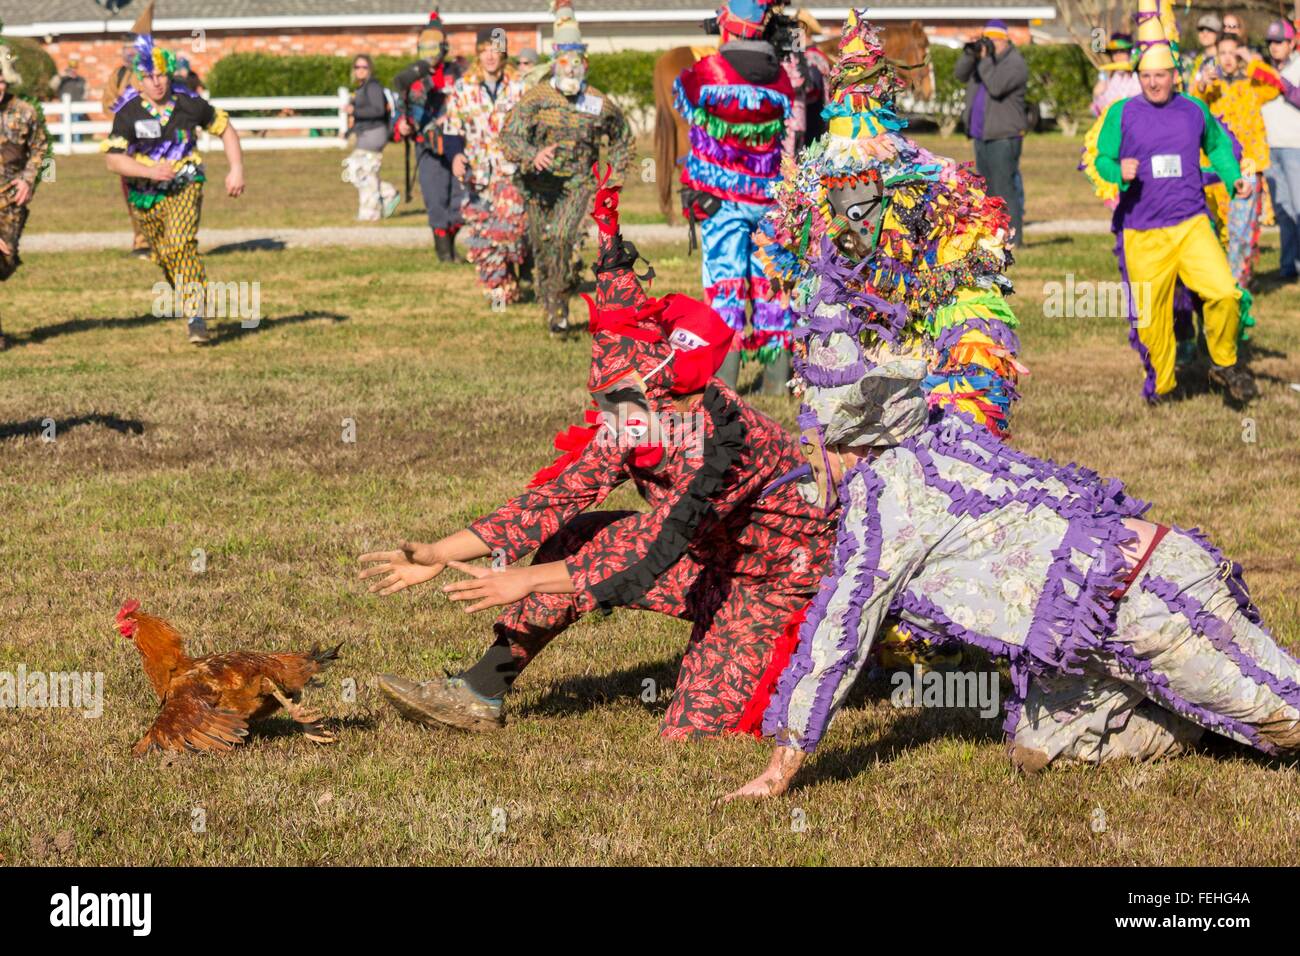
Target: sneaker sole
436,717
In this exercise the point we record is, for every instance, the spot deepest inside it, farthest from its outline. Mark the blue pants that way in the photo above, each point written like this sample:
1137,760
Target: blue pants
1283,177
442,192
733,275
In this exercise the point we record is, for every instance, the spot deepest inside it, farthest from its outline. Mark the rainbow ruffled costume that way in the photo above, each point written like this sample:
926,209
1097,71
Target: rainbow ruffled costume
737,116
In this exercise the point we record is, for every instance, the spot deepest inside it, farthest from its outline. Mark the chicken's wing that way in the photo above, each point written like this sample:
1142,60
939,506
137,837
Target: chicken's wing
187,721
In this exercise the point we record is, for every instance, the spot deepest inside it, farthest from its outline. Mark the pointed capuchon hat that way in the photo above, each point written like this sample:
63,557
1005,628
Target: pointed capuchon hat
863,85
144,22
1156,44
566,35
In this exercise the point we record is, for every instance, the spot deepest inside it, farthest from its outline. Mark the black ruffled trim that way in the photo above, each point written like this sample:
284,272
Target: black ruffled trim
718,456
621,254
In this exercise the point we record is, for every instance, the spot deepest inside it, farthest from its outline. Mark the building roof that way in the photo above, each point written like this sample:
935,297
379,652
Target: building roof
28,18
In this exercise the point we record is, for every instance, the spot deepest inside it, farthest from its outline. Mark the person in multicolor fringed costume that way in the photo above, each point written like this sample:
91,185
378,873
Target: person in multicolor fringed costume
737,104
496,224
1148,149
869,221
716,546
1126,639
154,144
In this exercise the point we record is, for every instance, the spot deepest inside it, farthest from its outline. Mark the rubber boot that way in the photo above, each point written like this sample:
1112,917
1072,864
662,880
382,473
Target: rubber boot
730,370
776,375
443,248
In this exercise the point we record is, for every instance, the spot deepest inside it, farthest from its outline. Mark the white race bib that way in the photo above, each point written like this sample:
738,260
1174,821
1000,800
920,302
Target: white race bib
148,129
1167,166
590,104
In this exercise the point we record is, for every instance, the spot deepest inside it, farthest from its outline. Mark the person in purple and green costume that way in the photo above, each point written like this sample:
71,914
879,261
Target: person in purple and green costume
154,145
1150,147
1126,639
737,104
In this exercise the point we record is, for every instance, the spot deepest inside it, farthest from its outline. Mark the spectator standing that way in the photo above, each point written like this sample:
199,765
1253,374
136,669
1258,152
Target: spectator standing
71,83
370,124
185,73
1117,79
1282,128
1208,30
996,77
1235,26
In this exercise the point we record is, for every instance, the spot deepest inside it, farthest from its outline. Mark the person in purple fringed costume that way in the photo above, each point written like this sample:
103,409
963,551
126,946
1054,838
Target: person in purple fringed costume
1126,639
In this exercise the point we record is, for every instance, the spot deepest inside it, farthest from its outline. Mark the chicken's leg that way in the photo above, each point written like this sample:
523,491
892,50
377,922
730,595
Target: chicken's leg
309,718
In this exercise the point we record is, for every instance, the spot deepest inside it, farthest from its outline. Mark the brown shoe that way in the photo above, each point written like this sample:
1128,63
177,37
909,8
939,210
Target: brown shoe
1236,379
442,702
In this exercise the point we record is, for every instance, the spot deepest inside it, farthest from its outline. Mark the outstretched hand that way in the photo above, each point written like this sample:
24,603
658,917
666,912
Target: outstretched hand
489,587
409,565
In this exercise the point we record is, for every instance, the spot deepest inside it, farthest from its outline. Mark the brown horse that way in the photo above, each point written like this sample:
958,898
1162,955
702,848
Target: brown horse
905,44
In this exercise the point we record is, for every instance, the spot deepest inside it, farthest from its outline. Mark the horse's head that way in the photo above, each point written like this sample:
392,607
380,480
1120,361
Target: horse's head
909,48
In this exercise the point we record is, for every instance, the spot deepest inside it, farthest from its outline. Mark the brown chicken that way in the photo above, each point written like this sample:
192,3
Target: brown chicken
208,702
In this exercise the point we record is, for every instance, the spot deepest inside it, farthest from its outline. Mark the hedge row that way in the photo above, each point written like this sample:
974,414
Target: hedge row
1060,77
626,75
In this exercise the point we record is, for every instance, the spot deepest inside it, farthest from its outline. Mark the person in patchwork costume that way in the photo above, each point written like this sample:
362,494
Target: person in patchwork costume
738,104
24,151
1126,639
154,144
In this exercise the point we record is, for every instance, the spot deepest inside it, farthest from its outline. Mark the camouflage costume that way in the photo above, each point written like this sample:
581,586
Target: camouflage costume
559,198
23,141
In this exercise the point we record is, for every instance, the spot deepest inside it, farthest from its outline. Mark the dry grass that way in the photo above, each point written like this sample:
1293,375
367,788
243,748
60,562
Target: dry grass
235,449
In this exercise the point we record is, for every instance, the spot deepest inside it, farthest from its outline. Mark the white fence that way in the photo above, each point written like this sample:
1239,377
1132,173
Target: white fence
72,131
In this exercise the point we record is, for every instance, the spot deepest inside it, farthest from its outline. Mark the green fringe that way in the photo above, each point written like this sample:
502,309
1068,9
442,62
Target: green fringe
765,355
752,133
1247,321
958,312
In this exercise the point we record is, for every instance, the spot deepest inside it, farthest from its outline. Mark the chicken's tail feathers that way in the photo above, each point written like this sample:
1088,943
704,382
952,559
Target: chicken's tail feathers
324,657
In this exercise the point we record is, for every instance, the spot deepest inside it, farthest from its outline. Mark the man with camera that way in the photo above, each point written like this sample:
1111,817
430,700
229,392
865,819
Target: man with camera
995,75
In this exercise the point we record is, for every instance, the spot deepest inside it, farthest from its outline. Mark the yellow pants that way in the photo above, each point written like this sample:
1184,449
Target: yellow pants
1155,258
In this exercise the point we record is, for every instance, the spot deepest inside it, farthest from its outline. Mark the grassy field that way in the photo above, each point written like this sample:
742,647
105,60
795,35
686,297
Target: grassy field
236,449
304,189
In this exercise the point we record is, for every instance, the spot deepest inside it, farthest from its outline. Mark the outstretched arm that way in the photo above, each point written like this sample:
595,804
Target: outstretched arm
235,157
414,563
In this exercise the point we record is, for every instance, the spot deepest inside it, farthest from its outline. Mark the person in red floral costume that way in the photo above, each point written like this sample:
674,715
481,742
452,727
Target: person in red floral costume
716,547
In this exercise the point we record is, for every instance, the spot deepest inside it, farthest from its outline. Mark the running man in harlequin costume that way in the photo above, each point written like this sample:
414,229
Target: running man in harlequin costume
554,136
737,104
1127,639
154,144
24,147
1149,146
422,90
496,226
712,548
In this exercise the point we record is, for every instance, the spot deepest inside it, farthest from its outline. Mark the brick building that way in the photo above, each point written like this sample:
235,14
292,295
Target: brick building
203,31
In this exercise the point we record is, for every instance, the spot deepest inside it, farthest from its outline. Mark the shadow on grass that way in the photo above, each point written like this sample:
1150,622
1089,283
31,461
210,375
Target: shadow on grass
230,331
38,426
248,245
73,326
578,695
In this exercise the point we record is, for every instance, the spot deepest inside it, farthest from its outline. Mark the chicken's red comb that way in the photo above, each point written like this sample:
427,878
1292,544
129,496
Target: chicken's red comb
130,607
